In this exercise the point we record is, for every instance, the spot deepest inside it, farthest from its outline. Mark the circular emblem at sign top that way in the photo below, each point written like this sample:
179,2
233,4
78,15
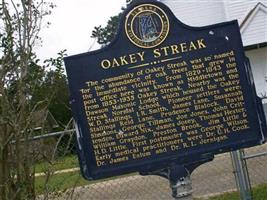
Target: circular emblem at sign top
147,26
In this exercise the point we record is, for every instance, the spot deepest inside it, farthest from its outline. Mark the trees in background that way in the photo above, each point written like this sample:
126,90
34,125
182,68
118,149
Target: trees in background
104,35
55,86
29,91
28,88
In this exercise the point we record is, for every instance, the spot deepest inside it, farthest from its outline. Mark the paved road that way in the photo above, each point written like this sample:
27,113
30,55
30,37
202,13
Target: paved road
209,179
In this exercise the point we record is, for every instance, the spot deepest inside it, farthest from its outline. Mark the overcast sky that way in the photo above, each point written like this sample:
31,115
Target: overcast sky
72,25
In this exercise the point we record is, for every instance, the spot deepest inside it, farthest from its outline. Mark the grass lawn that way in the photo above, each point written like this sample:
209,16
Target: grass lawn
59,182
62,182
67,162
259,193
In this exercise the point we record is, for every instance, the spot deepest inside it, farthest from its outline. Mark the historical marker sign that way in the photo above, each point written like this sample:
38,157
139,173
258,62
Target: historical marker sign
162,92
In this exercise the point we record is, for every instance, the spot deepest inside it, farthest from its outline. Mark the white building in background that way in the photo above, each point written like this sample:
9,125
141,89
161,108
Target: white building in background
252,18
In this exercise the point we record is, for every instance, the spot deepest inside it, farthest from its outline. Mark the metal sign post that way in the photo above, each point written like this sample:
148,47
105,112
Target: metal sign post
179,177
241,174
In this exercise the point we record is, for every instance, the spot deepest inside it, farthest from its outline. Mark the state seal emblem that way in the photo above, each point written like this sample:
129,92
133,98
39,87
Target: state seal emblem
147,26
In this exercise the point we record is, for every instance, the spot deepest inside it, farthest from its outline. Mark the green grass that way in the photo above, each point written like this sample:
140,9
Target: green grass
226,196
67,162
259,193
59,182
62,182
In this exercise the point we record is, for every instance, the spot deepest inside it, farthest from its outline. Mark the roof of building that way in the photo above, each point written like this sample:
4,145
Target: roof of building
251,15
254,26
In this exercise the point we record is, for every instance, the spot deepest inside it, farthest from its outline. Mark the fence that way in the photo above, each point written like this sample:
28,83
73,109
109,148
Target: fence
210,179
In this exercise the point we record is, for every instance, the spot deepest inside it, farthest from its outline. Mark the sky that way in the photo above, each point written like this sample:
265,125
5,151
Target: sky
72,23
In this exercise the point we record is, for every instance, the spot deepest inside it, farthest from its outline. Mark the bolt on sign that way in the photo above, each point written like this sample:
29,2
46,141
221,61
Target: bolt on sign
161,93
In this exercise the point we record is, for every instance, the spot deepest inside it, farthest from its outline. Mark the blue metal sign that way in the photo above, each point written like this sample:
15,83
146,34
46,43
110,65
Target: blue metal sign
162,93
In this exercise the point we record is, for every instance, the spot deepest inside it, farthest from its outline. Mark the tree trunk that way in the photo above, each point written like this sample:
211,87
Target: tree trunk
3,165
